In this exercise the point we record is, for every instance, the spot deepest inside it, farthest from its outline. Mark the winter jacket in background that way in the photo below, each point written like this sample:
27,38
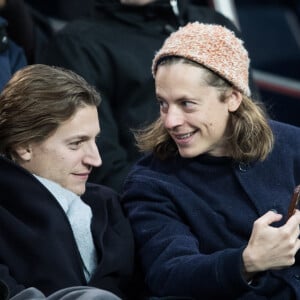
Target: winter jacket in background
12,57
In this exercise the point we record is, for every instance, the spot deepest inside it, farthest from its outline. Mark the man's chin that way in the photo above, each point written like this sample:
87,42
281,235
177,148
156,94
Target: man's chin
79,191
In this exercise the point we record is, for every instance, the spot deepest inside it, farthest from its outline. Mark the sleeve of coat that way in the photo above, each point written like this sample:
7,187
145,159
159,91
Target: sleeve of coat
170,253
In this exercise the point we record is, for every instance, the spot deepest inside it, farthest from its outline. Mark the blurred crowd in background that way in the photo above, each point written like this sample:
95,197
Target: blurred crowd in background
270,28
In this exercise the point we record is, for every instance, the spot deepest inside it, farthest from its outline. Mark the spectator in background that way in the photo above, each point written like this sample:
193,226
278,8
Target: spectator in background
114,52
57,231
12,57
26,26
31,23
65,10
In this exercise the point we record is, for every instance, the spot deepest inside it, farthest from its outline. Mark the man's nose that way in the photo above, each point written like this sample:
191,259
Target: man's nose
93,157
173,118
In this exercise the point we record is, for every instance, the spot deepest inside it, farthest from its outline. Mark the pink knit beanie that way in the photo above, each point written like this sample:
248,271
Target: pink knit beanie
213,46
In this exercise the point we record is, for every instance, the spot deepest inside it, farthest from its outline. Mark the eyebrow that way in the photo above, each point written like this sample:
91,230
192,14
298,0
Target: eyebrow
182,98
82,137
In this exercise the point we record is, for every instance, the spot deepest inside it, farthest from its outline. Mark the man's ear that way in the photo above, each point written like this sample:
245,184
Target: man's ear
234,100
23,152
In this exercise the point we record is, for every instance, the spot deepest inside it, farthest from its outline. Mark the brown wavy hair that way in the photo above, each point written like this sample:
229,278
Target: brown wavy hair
36,100
249,134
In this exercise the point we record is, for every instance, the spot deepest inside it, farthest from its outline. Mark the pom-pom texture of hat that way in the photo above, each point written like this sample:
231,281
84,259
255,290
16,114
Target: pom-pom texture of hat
213,46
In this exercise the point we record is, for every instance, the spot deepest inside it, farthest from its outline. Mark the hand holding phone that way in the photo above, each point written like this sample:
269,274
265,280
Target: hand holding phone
294,201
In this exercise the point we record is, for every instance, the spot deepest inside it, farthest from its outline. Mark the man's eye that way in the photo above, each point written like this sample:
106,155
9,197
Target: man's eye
75,145
161,103
187,103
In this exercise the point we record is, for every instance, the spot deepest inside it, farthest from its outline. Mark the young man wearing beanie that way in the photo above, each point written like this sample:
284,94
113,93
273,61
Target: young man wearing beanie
209,202
114,53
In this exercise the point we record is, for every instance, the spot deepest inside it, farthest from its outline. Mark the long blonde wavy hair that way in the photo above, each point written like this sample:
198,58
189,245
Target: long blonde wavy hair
250,136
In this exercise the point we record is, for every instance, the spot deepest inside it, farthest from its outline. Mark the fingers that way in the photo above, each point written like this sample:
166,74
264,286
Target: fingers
272,247
269,218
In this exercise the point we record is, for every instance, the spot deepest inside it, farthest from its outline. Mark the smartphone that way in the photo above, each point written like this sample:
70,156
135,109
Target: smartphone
294,201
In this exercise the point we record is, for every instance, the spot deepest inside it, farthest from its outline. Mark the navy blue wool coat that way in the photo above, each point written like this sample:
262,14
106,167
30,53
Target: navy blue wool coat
192,218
